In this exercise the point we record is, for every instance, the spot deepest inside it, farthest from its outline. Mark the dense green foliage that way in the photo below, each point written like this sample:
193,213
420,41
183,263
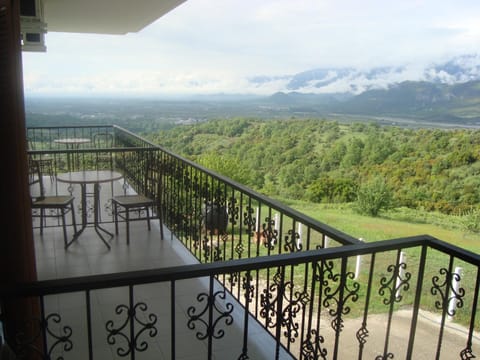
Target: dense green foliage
373,197
326,161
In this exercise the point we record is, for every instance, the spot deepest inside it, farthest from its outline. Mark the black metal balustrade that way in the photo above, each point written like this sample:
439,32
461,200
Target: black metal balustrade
252,224
316,292
309,301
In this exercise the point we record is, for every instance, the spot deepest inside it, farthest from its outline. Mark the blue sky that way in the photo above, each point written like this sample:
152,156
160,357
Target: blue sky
215,46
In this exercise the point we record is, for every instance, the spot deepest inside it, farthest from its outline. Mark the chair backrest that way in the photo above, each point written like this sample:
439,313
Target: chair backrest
151,177
30,144
103,140
35,177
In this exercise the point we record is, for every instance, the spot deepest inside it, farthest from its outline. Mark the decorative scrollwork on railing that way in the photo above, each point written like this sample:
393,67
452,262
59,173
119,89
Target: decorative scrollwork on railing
202,317
269,300
187,180
211,248
298,303
362,334
217,251
24,347
189,227
447,292
268,303
248,287
207,249
90,211
233,279
133,340
312,346
382,357
63,339
233,211
239,249
467,354
291,241
390,287
203,190
249,219
269,234
109,207
337,293
219,196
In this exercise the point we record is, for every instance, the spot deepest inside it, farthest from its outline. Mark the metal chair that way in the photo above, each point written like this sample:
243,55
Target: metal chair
56,205
44,162
124,205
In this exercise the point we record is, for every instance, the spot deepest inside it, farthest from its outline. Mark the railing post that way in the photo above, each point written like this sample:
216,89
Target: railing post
401,273
299,240
277,222
358,264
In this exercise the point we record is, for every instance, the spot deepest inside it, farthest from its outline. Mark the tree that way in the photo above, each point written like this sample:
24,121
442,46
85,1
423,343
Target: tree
327,189
377,148
353,154
373,197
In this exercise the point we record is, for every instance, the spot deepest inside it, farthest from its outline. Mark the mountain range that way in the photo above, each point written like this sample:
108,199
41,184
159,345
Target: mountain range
447,92
355,81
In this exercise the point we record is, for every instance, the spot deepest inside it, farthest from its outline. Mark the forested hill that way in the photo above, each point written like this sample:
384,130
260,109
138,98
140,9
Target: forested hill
326,161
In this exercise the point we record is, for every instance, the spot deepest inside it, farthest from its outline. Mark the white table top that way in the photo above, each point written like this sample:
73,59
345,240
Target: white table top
89,176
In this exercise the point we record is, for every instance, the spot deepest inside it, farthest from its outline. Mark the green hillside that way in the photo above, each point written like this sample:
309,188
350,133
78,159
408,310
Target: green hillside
325,161
423,100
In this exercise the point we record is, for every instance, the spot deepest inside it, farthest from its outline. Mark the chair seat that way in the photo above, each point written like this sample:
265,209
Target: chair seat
52,201
132,200
134,203
61,203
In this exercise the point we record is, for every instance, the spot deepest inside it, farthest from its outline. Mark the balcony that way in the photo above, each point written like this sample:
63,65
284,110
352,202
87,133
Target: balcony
270,284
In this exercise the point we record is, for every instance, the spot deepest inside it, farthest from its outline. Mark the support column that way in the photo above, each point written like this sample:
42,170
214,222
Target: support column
17,254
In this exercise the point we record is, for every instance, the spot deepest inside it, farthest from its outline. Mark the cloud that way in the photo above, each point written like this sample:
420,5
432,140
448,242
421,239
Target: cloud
209,46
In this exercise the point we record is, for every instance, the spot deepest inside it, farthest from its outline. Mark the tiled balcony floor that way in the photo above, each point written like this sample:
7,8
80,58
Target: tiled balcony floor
89,256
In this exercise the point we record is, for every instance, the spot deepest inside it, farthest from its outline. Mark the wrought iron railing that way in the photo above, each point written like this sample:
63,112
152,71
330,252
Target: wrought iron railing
310,301
215,217
321,294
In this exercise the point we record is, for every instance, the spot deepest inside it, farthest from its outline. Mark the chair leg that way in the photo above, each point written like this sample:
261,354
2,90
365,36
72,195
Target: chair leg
50,170
99,211
64,225
148,217
74,221
42,219
115,210
127,220
161,224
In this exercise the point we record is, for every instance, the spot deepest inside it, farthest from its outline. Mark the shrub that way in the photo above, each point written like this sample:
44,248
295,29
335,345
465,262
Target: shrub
373,197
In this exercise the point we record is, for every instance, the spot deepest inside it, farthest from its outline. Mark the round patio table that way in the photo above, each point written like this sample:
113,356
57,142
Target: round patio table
95,178
72,144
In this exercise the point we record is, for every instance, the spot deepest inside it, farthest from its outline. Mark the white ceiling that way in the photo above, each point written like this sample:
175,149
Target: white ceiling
104,16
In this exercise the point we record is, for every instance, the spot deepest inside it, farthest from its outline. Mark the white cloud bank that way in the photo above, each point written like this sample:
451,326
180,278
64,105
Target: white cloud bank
211,46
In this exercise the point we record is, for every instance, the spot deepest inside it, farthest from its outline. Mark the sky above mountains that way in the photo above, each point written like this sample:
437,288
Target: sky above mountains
222,46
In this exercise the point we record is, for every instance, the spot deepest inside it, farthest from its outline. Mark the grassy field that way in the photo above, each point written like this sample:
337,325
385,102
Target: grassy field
403,223
394,224
391,225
